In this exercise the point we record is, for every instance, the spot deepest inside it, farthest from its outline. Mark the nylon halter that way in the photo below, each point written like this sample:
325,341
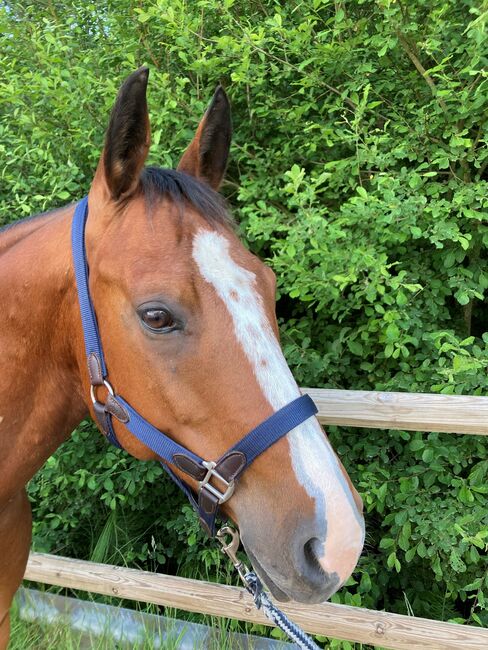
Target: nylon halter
216,478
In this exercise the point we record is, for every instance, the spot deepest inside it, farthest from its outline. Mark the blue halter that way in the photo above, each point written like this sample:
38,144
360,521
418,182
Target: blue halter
216,479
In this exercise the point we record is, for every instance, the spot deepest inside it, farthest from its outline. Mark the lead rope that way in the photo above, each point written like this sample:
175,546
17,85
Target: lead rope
261,599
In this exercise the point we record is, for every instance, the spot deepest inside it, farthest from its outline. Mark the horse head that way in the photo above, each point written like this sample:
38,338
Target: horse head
187,319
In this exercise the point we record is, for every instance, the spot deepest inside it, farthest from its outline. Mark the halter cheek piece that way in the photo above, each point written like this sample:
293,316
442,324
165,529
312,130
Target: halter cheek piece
216,479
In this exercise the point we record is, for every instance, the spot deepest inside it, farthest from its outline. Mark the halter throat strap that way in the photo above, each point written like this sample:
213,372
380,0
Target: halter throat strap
216,478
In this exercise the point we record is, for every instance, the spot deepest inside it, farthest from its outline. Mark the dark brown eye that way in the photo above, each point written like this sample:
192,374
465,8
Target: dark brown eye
158,319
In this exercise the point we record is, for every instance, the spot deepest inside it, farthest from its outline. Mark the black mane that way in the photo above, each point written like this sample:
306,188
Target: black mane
181,188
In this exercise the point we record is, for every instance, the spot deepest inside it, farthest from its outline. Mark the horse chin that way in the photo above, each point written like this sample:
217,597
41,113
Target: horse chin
276,592
286,585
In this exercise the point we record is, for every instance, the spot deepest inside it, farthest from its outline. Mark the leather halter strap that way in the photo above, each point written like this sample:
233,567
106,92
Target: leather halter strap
216,479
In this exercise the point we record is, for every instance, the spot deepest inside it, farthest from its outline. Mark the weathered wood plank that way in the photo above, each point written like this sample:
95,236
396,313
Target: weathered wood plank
337,621
409,411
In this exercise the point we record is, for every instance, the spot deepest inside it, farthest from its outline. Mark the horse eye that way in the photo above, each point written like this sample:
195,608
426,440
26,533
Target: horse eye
158,319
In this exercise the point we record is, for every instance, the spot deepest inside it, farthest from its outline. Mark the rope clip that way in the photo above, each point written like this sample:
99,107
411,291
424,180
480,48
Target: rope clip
255,588
230,549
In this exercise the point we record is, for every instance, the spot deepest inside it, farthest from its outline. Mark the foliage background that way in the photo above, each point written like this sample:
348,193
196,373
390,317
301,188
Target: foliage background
359,171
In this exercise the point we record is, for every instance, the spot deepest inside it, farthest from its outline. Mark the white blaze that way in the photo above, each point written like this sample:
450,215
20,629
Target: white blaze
313,460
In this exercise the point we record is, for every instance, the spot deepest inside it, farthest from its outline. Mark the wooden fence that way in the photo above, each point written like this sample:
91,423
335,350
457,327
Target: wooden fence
409,411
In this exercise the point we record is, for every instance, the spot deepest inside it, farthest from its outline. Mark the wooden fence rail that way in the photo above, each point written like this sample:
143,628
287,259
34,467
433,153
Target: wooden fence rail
337,621
409,411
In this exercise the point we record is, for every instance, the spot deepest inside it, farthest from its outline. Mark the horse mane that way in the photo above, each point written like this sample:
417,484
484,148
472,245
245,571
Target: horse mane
157,182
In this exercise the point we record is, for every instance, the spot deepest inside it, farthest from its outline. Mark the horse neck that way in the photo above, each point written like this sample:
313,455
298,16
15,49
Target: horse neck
40,390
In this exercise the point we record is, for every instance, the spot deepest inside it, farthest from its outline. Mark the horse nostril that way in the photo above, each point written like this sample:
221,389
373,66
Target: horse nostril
320,583
311,552
308,549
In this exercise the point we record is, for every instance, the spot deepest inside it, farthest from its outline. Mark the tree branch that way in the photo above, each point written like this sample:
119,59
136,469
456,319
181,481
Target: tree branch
420,68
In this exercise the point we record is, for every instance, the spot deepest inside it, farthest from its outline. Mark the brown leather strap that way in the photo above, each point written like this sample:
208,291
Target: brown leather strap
189,466
95,369
101,417
116,409
229,466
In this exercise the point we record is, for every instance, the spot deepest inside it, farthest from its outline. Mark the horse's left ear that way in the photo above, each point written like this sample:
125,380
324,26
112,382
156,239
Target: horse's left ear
206,157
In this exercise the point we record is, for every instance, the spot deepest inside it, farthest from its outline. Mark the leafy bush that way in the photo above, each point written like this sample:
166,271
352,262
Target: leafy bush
359,170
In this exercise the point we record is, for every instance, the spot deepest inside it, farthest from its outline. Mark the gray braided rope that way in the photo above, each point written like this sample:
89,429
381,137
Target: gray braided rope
262,600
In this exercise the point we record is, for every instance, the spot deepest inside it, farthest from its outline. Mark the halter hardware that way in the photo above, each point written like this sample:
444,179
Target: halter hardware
226,469
93,389
210,465
230,549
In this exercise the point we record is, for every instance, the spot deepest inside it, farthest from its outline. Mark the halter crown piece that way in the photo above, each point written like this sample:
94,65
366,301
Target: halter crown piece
216,478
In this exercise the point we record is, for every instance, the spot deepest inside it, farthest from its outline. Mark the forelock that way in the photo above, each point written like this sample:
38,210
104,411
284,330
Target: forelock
157,183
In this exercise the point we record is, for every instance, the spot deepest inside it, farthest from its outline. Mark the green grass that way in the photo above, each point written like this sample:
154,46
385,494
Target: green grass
35,636
30,635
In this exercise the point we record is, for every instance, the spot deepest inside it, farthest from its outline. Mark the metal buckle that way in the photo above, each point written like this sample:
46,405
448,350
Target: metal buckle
93,388
210,465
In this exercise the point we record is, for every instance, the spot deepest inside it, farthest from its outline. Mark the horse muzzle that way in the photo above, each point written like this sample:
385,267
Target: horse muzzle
295,567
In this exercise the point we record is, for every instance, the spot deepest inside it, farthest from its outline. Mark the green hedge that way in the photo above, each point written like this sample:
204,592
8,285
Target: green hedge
359,171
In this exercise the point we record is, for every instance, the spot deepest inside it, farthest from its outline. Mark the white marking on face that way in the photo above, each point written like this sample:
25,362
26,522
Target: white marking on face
313,459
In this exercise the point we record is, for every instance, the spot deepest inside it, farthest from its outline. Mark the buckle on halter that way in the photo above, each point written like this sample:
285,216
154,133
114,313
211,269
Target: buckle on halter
210,466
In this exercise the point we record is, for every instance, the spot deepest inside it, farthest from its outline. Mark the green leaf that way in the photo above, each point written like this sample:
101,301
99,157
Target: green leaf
108,484
421,549
391,560
365,583
428,455
387,542
416,445
392,332
465,495
355,347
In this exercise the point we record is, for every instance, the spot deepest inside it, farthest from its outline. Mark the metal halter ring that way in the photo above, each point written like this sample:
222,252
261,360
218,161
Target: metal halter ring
210,465
93,387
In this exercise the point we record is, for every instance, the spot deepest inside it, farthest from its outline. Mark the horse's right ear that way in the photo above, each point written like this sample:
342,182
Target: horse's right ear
127,139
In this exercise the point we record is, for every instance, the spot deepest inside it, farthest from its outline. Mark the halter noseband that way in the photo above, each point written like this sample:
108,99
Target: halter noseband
225,470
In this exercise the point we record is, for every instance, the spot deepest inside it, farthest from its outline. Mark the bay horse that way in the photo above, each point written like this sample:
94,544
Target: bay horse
187,318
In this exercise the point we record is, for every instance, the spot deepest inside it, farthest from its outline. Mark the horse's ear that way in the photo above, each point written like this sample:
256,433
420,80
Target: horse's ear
206,157
128,137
